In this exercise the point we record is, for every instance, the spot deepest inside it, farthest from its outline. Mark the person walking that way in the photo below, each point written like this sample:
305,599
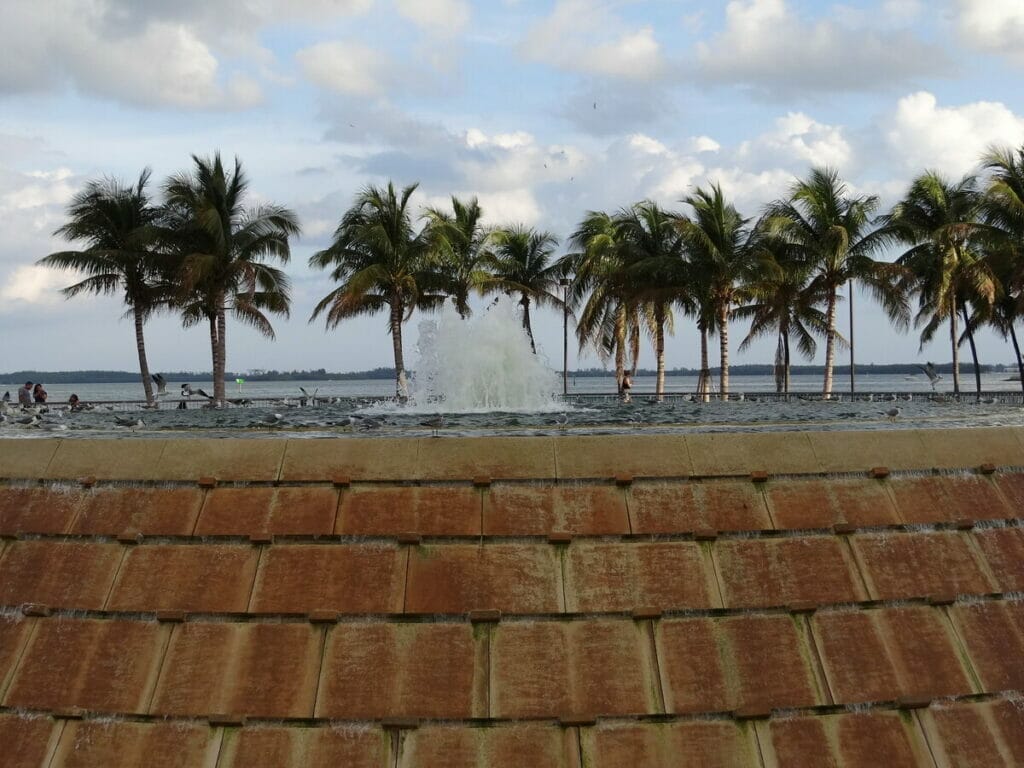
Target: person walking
25,394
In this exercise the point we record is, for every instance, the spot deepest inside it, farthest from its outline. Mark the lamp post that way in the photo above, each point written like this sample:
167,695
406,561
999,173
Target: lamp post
564,282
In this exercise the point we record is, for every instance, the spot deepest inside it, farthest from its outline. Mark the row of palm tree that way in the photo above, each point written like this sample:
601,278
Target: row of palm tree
626,274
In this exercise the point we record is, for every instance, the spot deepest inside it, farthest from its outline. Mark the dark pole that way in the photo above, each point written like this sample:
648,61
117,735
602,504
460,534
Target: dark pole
853,374
564,282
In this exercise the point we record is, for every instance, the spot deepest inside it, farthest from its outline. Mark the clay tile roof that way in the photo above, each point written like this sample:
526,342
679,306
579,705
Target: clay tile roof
566,601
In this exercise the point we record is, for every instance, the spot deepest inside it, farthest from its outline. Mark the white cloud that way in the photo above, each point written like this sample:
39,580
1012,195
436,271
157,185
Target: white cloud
996,26
801,139
443,18
921,134
768,47
34,285
347,67
584,36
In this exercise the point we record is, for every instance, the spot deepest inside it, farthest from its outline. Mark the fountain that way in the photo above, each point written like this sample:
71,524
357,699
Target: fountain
481,364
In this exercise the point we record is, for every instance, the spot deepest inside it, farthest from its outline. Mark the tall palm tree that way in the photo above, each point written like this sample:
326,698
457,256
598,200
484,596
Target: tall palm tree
655,272
833,232
223,247
459,242
1003,211
521,262
117,224
939,223
780,299
382,262
721,249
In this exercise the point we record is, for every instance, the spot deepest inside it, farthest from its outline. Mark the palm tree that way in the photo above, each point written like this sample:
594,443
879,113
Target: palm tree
940,223
832,231
1003,211
521,262
721,249
459,241
780,299
118,225
222,247
382,263
655,273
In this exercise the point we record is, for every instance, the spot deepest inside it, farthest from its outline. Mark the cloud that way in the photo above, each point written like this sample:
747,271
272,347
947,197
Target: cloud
995,26
801,139
584,36
766,47
34,285
347,67
442,18
921,134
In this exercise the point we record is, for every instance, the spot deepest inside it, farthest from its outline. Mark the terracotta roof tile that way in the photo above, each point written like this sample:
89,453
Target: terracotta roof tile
602,577
37,510
1012,486
150,511
553,669
402,670
946,499
860,740
766,572
24,740
541,509
823,503
456,578
262,510
107,666
529,744
428,510
1003,549
255,670
670,745
993,634
883,654
712,665
347,747
681,507
155,745
982,734
62,574
360,578
14,632
198,579
916,564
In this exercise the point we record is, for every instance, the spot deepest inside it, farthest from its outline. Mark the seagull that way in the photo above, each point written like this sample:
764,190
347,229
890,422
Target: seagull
893,413
161,384
7,397
309,397
368,424
561,420
28,421
241,401
436,423
931,373
128,421
272,419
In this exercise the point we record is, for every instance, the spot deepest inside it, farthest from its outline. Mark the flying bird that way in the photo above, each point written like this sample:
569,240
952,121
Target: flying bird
161,384
931,373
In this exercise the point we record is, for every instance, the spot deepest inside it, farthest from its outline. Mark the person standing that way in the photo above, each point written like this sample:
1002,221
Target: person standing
627,384
25,394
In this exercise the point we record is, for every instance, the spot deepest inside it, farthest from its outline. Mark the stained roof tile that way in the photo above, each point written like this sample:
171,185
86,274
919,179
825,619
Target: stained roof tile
350,747
993,634
1003,549
457,578
24,740
150,511
155,745
681,507
602,577
977,735
427,510
670,745
265,510
37,510
64,574
106,666
519,509
947,499
529,744
183,577
254,670
816,503
361,578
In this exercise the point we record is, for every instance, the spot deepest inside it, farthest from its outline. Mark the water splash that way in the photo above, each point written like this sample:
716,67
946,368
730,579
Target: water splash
483,364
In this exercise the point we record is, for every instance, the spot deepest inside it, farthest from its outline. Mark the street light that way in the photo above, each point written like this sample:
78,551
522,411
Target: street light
564,282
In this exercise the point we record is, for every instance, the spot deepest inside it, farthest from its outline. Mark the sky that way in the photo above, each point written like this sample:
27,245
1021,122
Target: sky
543,110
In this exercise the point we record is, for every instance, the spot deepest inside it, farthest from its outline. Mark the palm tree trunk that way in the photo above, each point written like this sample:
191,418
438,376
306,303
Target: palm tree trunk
830,343
955,340
219,394
723,349
974,352
1016,349
634,346
401,384
620,348
140,345
213,345
659,352
785,342
525,302
705,372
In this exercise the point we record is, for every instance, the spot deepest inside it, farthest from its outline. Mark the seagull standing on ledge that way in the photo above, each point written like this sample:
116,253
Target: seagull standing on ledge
893,413
435,424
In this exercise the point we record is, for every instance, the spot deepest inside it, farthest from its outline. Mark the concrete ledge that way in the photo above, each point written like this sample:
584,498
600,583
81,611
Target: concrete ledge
614,455
26,459
113,459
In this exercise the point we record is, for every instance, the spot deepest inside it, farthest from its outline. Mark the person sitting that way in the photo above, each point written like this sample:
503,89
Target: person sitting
73,401
39,394
25,394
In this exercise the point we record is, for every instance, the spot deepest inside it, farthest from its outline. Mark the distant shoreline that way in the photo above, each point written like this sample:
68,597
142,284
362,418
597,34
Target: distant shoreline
127,377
